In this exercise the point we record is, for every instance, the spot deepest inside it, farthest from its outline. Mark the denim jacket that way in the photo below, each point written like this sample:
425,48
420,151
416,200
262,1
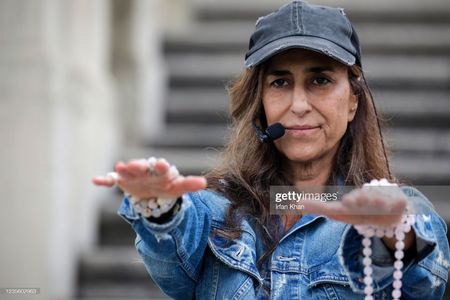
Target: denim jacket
318,258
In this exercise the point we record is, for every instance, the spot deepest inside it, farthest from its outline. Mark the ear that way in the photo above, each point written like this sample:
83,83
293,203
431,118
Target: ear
352,107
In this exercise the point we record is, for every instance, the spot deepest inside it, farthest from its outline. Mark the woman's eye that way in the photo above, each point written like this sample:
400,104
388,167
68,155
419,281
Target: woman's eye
279,82
320,81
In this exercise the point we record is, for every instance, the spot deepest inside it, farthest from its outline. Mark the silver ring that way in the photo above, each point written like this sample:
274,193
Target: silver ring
173,172
151,166
114,176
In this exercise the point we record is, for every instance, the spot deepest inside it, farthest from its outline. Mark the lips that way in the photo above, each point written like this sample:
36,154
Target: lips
302,130
301,127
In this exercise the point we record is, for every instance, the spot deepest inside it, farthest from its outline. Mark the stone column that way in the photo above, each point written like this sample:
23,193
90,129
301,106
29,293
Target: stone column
57,116
138,69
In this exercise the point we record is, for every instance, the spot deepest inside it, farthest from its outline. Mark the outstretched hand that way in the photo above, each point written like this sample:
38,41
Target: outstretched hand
379,206
134,179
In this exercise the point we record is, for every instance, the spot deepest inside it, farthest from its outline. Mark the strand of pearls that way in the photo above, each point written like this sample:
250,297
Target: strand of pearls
153,207
398,230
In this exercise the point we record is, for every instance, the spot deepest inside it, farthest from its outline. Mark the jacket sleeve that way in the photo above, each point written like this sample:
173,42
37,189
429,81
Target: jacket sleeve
424,275
172,251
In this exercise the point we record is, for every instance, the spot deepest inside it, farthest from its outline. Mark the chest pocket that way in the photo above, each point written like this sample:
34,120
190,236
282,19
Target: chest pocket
219,281
233,264
329,281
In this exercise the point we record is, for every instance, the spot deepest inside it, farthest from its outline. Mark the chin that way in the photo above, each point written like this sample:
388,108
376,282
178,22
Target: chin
302,156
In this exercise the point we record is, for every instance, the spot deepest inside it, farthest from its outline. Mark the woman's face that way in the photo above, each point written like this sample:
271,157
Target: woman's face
309,93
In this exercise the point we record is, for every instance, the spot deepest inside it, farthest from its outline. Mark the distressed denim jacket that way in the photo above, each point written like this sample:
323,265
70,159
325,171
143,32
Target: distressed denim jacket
318,258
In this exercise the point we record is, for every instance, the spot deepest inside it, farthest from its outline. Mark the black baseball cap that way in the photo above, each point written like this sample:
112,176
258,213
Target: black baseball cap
299,24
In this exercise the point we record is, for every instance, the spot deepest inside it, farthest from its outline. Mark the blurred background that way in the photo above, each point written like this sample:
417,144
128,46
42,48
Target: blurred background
85,83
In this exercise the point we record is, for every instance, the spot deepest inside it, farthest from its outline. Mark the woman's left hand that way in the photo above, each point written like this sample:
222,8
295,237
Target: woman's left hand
374,205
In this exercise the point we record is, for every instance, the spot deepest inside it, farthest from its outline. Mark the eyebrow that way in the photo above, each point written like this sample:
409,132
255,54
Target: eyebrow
315,69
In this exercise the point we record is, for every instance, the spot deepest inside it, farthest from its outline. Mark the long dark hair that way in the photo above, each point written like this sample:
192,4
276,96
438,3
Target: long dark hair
249,167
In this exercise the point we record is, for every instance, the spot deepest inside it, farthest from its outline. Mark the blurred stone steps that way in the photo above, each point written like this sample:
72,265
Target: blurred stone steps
104,263
418,71
428,169
116,273
380,11
232,37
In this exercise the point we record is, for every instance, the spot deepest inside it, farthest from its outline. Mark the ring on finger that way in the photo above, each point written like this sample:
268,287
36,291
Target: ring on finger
173,171
151,166
114,176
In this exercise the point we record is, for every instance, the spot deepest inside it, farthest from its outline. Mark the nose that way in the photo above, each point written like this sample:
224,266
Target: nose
300,104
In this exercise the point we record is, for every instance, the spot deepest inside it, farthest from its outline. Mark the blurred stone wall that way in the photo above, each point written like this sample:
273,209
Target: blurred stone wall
77,79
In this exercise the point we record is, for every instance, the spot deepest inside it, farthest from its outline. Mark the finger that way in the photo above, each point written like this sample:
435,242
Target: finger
379,203
349,199
325,208
182,185
103,181
399,206
162,166
137,167
194,183
121,167
123,171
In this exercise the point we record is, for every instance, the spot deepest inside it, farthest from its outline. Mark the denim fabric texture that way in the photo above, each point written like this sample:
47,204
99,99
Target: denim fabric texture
318,258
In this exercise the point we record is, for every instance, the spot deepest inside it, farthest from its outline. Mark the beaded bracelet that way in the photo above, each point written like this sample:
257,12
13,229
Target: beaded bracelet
399,230
153,207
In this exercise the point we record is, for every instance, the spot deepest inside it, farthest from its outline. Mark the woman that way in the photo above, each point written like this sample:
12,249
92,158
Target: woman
304,71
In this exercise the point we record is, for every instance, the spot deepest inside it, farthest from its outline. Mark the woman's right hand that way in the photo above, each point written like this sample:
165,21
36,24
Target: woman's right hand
134,179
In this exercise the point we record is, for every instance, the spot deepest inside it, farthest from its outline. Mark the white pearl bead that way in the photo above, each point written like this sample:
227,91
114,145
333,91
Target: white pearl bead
384,182
379,232
399,254
368,280
366,242
367,261
396,294
368,271
398,265
368,297
156,213
399,245
398,275
368,290
147,212
367,251
397,284
400,235
370,232
406,227
152,204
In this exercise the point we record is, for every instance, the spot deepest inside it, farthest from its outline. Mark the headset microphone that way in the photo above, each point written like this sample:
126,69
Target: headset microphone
273,132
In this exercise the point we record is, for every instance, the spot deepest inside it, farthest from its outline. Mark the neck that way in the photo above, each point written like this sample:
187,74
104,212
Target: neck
312,173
